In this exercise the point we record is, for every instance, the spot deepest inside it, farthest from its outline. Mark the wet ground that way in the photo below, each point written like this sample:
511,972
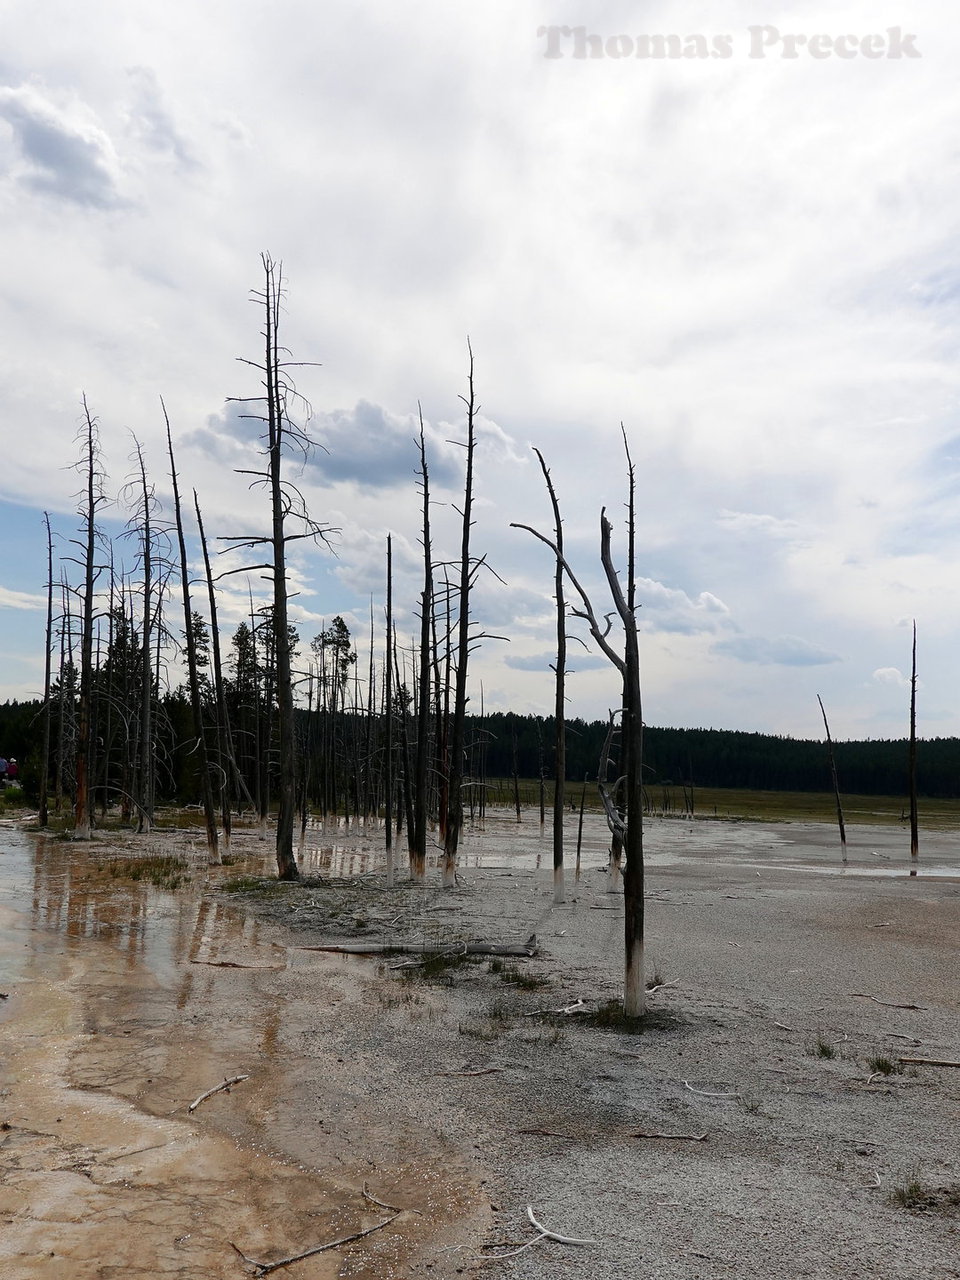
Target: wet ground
124,1003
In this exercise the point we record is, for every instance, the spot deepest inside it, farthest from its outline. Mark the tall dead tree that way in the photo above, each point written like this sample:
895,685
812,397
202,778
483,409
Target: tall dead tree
451,839
914,824
43,814
282,435
388,715
836,783
629,824
418,836
560,735
94,497
196,704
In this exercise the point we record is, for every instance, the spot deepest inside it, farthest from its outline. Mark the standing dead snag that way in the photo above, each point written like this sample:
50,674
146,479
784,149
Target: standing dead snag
281,435
628,665
914,830
451,840
836,784
560,741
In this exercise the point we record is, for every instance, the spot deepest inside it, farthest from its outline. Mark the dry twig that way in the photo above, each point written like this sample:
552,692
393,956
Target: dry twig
217,1088
930,1062
265,1268
705,1093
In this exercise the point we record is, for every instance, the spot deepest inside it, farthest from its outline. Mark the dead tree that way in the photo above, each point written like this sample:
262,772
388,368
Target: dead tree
388,714
451,840
282,435
836,783
94,497
560,738
43,814
914,825
627,664
196,705
418,835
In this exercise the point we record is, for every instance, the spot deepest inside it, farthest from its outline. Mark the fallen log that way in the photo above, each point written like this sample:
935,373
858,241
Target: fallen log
528,948
931,1062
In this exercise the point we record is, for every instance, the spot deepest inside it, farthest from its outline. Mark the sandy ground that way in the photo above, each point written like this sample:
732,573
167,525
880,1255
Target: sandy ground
745,1133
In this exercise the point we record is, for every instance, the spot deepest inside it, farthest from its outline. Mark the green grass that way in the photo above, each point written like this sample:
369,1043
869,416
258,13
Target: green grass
822,1049
735,804
921,1197
160,871
881,1065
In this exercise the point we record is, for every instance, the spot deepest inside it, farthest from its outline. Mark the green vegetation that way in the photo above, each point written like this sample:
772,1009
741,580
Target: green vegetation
823,1049
880,1065
919,1197
162,872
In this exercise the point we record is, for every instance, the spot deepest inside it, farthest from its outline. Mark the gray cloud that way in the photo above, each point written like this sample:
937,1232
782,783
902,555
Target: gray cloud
72,159
151,121
784,651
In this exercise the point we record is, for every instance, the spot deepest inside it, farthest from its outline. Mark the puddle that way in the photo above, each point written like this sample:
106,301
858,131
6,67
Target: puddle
125,1003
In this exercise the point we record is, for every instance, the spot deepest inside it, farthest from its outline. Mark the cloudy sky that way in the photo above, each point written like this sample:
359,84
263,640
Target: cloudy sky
749,259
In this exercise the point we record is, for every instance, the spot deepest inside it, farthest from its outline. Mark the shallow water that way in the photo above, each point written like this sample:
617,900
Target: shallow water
126,1002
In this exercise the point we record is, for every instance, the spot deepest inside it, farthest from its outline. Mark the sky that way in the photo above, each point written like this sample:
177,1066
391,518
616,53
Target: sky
745,257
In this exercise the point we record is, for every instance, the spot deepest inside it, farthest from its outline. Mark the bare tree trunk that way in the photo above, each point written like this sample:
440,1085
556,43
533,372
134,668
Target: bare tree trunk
146,783
455,810
836,783
206,790
418,840
388,710
83,803
560,706
914,826
43,812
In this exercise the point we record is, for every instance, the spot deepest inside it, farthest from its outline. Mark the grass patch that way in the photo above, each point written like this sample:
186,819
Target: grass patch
517,977
881,1065
610,1017
919,1197
822,1048
439,967
267,888
161,871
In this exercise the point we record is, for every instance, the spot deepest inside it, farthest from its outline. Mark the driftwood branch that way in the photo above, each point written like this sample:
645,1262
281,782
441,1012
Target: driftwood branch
705,1093
217,1088
553,1235
887,1004
528,948
930,1062
265,1268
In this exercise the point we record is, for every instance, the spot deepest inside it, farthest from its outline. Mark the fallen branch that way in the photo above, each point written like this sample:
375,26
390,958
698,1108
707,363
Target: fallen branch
265,1268
528,948
881,924
391,1208
887,1004
931,1062
674,1137
659,986
578,1006
235,964
705,1093
553,1235
783,1026
487,1071
498,1257
217,1088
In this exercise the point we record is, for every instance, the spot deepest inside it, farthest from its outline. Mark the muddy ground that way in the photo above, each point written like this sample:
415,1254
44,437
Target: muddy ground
751,1130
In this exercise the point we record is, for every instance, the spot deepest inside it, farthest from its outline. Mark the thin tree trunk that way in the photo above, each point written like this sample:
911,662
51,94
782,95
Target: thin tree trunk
836,783
43,813
455,810
388,699
206,790
83,803
914,825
